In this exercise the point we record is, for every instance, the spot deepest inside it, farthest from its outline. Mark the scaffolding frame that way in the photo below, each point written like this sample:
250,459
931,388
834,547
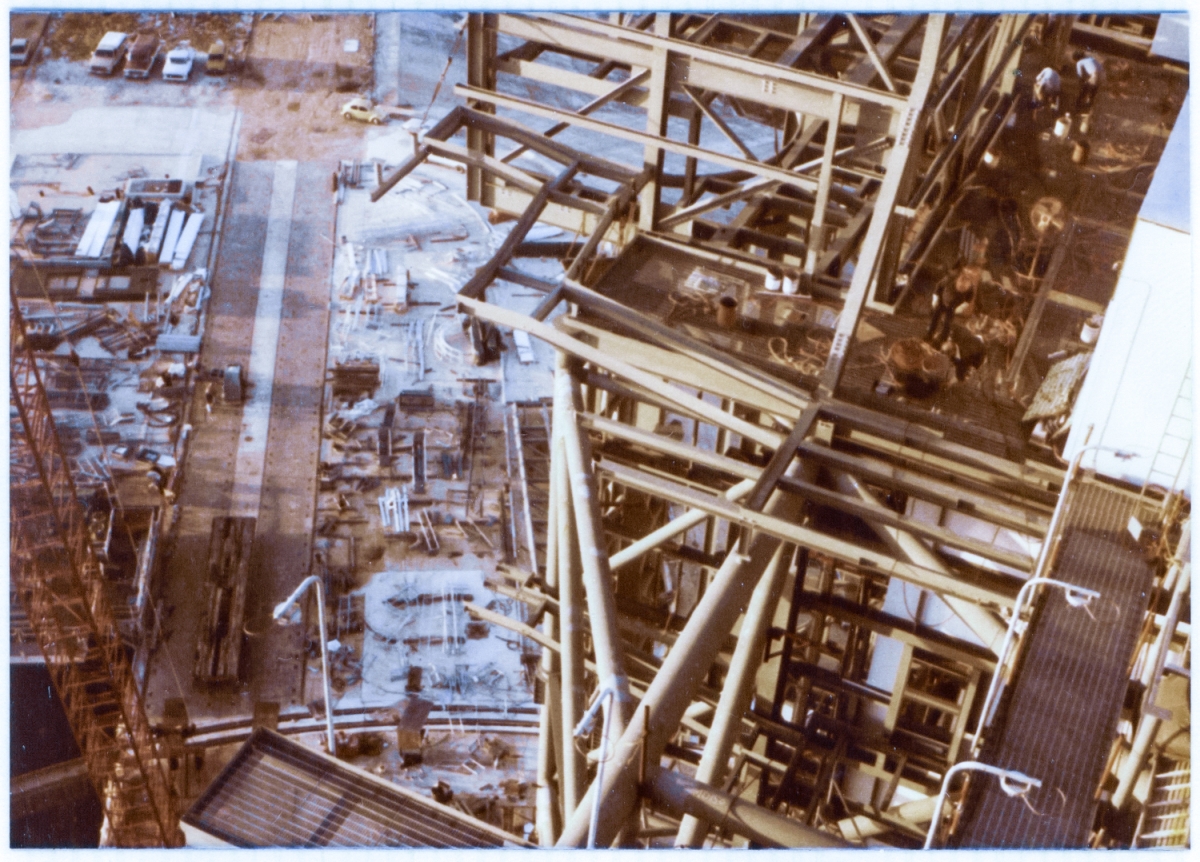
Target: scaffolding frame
62,590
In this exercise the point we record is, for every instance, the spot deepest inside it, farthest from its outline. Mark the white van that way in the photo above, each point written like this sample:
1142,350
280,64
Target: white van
108,53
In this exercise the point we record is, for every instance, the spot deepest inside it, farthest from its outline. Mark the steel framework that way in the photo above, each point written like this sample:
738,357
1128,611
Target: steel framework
794,600
62,589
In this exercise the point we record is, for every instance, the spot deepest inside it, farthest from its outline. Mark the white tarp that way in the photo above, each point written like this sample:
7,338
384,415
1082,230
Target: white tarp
159,230
186,240
96,232
133,228
167,254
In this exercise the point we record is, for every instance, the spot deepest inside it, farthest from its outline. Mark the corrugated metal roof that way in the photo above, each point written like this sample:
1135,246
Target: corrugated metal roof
279,793
1168,201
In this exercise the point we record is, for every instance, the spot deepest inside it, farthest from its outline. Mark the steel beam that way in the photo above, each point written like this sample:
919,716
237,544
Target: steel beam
675,684
677,795
865,40
983,623
671,394
739,687
603,127
929,577
898,168
671,529
484,276
729,65
596,103
597,577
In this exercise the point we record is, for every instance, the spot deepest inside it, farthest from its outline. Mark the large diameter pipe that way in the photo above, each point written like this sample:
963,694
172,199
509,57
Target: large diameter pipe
677,795
861,827
677,680
597,577
738,689
570,597
544,812
1148,726
986,626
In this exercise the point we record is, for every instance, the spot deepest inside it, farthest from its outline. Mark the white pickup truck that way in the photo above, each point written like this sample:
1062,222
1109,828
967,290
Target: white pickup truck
108,53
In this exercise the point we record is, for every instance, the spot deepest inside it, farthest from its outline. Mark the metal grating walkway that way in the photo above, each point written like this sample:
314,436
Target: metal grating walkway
1062,713
279,793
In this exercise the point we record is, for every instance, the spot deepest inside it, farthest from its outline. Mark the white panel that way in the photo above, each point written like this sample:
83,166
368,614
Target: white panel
1141,358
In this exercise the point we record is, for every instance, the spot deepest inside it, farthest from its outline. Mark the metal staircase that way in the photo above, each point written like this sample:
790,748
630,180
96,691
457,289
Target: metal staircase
1164,821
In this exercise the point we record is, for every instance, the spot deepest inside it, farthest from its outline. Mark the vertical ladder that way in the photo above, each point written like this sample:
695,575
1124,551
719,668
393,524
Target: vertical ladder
1175,444
1165,820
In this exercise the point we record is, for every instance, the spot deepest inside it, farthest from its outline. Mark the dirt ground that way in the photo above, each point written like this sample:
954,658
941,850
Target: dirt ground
294,74
296,78
73,35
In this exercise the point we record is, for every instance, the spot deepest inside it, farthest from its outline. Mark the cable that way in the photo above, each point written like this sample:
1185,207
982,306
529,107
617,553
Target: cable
442,79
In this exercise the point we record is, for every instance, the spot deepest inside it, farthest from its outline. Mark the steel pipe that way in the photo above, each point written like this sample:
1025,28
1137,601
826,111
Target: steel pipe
597,577
739,687
286,605
677,680
1149,722
677,795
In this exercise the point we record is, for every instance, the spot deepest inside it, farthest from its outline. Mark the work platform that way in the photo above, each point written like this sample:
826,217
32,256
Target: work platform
1059,723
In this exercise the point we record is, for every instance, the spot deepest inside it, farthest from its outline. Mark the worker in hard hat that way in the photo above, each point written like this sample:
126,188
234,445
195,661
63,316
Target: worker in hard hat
954,295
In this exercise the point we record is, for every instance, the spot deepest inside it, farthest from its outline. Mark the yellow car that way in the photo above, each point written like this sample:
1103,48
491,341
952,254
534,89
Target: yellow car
361,108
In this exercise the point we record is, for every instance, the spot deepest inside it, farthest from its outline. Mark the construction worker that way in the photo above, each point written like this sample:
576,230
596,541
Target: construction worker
1047,87
1091,74
955,294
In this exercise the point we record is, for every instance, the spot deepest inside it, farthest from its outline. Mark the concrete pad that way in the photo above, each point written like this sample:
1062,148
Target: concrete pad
252,444
181,132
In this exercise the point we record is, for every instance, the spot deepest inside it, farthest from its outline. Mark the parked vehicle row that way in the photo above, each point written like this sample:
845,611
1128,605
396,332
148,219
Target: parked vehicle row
141,53
19,51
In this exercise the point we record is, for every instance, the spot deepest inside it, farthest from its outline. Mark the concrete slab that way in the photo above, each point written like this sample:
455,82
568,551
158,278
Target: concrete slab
182,132
252,443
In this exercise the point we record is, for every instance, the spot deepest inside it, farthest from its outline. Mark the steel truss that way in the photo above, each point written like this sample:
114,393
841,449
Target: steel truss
723,544
62,590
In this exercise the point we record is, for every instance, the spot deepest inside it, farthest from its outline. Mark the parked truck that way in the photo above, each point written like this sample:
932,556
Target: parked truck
142,56
217,62
108,53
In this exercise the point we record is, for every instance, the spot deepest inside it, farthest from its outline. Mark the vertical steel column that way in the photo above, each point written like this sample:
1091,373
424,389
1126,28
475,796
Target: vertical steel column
481,72
739,687
816,225
676,682
597,577
907,139
570,593
656,124
551,751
